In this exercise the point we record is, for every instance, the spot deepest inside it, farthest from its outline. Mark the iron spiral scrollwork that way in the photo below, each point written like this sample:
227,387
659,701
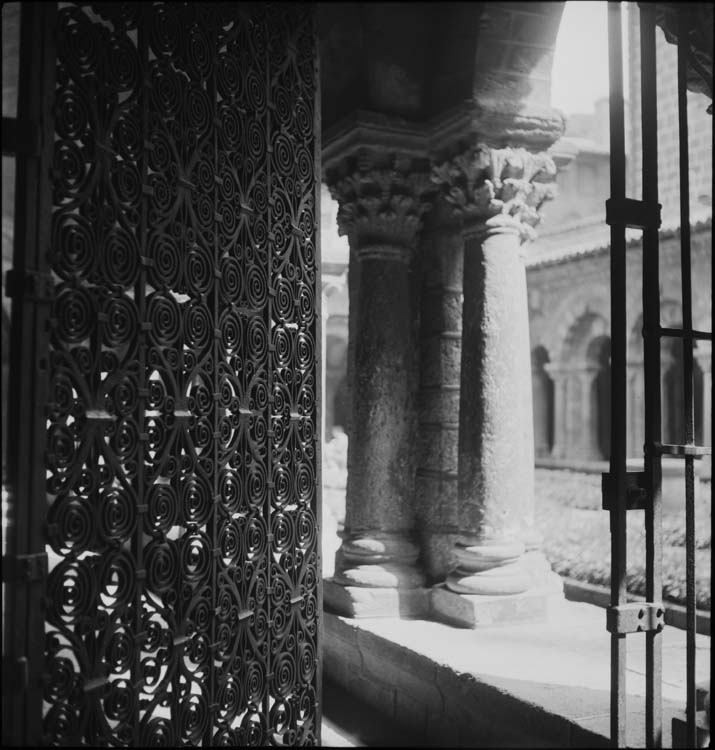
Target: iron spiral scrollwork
182,597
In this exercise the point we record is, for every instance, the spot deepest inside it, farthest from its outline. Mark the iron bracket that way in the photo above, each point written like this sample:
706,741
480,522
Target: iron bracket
666,449
33,285
632,213
636,490
635,617
27,568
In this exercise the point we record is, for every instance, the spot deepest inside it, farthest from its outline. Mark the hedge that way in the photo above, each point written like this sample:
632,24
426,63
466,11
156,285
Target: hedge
577,538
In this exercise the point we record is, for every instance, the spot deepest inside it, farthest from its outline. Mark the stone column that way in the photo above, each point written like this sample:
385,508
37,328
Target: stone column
497,192
376,570
585,432
438,398
634,371
703,354
560,378
668,409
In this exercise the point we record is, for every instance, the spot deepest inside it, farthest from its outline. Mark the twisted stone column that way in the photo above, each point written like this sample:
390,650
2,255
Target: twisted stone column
497,192
376,571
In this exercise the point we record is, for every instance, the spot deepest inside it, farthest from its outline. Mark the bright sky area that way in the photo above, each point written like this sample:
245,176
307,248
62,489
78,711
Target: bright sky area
580,73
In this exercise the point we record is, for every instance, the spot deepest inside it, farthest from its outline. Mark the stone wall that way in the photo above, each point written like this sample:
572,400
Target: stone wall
699,127
570,310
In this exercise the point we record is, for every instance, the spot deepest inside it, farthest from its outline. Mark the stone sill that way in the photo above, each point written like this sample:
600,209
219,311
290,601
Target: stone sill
527,685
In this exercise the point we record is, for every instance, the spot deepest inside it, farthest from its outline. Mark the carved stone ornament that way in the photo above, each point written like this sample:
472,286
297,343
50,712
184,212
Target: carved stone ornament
490,187
381,200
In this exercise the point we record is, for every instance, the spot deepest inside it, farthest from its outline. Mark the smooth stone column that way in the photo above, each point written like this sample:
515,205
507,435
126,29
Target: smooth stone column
498,574
376,571
586,427
635,409
496,448
668,428
560,402
377,550
376,567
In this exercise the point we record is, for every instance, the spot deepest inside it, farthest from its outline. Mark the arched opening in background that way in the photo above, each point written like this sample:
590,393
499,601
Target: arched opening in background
542,387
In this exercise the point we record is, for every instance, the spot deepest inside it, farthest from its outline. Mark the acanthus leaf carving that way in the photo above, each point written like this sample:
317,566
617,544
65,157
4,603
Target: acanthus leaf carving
497,186
382,201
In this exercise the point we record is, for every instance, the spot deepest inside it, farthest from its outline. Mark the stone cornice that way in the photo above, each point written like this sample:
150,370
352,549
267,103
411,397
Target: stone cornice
494,124
488,188
469,123
373,131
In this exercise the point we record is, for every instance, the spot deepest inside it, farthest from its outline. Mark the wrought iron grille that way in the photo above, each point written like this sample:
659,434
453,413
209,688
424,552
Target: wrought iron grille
181,451
625,491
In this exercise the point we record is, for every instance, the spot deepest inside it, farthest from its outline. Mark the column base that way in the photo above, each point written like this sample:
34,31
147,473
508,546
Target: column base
536,604
370,601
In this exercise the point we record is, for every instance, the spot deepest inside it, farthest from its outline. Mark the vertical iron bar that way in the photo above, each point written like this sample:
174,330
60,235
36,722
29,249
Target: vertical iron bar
141,480
651,333
212,524
320,356
28,383
266,19
618,374
686,283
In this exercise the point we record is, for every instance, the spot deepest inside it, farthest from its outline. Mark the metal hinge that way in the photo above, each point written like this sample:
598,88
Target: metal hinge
636,493
33,285
27,568
635,617
632,213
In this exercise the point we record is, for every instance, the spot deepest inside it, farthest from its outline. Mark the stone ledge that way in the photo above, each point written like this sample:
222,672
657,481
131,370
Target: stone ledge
369,601
525,685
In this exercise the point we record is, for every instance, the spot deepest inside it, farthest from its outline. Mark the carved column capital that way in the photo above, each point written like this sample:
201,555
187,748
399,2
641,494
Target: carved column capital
382,198
491,188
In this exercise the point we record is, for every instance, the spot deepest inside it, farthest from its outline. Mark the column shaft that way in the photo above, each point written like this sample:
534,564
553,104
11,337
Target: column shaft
438,399
560,396
382,402
496,442
588,432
